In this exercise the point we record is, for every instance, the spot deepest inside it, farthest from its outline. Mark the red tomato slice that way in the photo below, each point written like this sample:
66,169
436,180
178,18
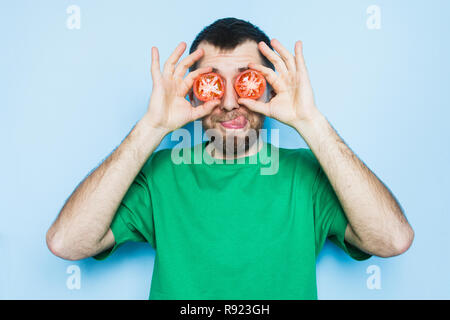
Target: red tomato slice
208,86
250,84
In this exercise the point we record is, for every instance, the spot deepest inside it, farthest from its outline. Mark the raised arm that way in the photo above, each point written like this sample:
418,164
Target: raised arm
82,228
377,224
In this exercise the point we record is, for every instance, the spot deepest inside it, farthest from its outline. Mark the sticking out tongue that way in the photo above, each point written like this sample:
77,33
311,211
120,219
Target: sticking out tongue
236,123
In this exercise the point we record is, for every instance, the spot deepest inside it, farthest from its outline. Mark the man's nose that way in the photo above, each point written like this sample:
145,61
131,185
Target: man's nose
230,98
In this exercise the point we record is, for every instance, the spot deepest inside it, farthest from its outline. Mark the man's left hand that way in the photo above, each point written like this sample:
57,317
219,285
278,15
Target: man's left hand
294,99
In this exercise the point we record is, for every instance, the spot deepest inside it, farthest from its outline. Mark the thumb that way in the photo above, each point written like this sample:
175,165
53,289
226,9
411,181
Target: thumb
257,106
204,109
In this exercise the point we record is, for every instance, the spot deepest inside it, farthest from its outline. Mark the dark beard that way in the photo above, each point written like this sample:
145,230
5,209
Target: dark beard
233,144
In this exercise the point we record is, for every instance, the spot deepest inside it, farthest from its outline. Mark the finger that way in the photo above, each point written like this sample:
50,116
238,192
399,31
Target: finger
300,62
287,57
272,78
256,106
203,109
279,64
299,59
155,67
184,65
170,64
190,78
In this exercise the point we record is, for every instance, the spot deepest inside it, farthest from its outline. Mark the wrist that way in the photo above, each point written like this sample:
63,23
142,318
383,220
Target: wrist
308,121
313,128
143,139
147,124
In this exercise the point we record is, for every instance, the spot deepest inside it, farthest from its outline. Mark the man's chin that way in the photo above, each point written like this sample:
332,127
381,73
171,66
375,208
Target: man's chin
234,141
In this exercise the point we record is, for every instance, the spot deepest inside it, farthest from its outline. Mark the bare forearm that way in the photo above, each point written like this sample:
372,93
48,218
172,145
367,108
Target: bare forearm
82,228
86,216
377,222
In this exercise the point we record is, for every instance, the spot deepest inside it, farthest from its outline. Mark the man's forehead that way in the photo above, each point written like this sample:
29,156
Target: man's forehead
237,58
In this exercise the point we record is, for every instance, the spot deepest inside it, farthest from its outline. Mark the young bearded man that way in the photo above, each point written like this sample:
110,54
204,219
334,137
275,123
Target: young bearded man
221,229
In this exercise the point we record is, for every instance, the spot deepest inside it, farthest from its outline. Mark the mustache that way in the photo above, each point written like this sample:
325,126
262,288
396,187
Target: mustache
228,116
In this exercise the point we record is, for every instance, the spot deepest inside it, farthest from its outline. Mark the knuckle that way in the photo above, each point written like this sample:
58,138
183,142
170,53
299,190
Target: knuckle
170,62
291,77
275,81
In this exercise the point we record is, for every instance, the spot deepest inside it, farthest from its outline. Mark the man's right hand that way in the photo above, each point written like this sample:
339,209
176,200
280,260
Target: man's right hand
82,228
168,108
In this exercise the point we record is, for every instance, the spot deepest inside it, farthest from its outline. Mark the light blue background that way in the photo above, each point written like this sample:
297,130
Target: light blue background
69,97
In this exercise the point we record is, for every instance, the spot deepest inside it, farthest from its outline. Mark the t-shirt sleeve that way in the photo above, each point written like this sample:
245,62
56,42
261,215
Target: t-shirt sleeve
133,220
329,218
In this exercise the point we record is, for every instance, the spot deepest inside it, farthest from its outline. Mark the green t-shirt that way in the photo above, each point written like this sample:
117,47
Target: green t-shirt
228,231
